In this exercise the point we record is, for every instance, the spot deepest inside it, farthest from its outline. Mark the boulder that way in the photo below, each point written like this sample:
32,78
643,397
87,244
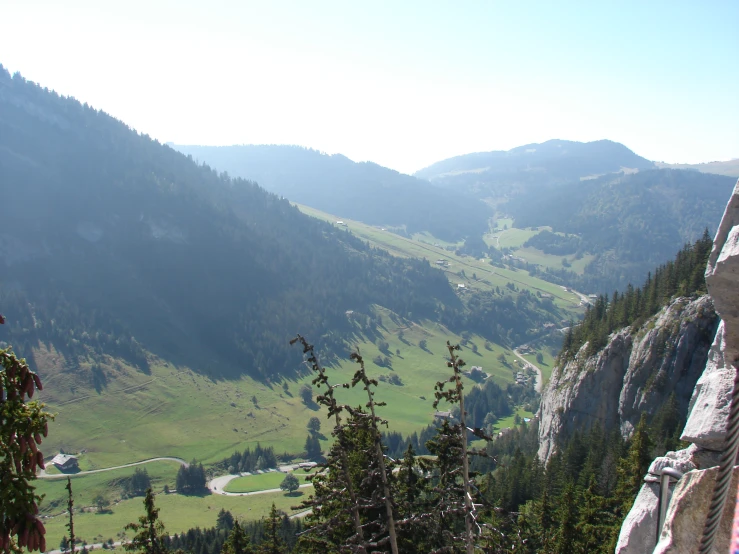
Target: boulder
711,400
639,530
722,274
686,514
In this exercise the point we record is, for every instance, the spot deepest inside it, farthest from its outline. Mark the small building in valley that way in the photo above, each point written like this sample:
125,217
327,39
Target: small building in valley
65,462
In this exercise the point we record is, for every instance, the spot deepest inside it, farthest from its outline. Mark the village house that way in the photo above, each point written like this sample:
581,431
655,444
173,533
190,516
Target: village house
65,462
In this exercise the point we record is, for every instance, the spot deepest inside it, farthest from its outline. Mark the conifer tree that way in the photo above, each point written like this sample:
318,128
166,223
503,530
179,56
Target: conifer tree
372,422
237,541
70,524
149,530
337,462
273,543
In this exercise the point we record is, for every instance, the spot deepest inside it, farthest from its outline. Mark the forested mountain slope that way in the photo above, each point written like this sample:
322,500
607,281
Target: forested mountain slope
112,242
636,353
364,191
611,203
630,222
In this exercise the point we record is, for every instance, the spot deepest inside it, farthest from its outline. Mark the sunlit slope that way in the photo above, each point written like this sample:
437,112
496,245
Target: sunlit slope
175,411
487,276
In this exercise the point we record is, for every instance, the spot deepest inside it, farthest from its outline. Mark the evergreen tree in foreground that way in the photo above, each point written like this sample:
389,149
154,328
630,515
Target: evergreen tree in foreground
149,530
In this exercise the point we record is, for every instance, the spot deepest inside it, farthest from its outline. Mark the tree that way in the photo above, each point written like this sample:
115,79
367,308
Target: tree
306,394
273,542
312,448
70,524
290,483
314,425
101,502
237,541
422,344
539,358
137,484
21,426
149,530
225,520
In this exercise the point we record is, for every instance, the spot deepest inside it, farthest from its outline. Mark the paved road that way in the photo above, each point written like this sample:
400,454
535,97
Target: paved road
539,378
218,484
43,475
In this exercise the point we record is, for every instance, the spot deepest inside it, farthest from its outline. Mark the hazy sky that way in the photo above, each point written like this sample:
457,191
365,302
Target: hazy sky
400,83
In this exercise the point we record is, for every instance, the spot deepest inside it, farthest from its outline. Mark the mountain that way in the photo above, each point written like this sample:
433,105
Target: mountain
363,191
630,223
551,162
113,243
729,168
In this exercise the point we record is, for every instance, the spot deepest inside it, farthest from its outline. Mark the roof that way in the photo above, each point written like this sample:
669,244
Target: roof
63,459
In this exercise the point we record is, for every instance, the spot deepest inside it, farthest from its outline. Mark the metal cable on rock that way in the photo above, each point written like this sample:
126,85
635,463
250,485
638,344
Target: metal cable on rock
723,478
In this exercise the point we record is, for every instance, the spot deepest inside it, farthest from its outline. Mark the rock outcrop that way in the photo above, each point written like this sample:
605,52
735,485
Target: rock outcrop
636,372
706,425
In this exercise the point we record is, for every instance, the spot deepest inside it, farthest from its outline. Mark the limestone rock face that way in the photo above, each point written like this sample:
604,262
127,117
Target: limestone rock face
639,530
711,401
686,515
708,418
633,373
722,275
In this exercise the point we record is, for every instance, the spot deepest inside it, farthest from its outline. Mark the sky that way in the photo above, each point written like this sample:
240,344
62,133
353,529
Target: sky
400,83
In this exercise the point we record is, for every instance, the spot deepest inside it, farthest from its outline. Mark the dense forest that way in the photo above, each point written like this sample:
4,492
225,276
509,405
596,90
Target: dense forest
363,191
113,243
630,223
682,277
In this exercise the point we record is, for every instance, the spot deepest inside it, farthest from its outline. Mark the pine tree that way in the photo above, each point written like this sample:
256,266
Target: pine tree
273,542
71,541
237,541
149,530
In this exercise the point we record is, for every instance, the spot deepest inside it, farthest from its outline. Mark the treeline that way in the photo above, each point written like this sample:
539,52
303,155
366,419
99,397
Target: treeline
484,405
250,460
577,502
211,540
682,277
191,479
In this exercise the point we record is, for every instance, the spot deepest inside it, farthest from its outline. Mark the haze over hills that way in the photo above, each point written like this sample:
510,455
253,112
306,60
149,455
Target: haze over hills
729,167
363,191
114,243
625,214
551,162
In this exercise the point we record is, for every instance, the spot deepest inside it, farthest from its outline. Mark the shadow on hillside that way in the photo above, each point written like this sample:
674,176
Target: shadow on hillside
294,494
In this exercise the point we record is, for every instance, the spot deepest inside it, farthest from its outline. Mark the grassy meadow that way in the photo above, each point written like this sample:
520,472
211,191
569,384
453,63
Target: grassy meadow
178,513
487,276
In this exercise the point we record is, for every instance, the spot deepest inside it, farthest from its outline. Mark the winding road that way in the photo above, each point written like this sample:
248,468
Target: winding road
539,378
43,475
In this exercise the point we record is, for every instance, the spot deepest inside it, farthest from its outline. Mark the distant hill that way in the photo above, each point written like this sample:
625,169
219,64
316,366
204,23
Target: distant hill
113,243
729,168
363,191
630,222
533,165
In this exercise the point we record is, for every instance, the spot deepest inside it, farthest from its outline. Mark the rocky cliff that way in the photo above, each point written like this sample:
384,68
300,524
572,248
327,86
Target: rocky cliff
636,372
706,428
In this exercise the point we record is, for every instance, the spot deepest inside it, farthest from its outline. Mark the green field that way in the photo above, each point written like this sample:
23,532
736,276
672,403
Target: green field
534,256
547,366
478,275
174,411
178,513
510,421
258,482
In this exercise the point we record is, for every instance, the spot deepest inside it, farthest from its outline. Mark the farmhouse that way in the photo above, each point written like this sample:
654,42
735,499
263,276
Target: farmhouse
443,415
65,462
